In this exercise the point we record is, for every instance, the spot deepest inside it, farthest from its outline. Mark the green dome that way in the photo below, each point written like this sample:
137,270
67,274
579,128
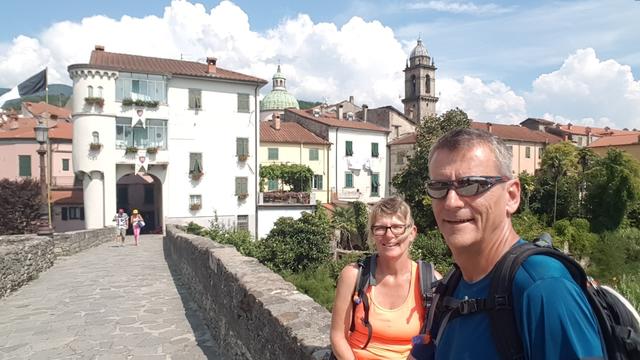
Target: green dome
279,98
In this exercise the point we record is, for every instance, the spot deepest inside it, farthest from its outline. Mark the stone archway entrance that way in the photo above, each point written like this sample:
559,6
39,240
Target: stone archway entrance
142,192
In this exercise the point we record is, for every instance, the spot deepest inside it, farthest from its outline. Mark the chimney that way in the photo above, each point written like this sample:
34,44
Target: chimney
276,121
569,125
211,65
365,110
489,127
99,47
606,128
340,112
351,99
588,131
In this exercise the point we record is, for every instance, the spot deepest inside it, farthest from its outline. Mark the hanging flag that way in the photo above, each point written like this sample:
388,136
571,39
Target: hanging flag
32,85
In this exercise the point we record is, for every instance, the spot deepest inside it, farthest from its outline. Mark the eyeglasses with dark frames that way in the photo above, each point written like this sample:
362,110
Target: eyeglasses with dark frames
396,229
466,186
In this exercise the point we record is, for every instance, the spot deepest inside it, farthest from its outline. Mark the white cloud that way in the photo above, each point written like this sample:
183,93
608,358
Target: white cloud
588,91
458,8
492,102
320,60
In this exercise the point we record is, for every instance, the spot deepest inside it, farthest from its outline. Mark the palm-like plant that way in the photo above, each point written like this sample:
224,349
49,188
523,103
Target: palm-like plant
344,221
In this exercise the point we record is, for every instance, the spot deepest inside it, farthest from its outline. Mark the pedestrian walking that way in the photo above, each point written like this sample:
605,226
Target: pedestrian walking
122,224
137,223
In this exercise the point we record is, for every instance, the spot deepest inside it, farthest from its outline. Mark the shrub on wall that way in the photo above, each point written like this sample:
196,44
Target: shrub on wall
296,245
19,206
431,247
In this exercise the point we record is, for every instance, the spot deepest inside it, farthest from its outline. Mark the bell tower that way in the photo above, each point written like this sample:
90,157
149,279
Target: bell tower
419,85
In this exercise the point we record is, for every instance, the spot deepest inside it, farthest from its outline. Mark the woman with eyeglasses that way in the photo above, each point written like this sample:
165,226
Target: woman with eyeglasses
396,312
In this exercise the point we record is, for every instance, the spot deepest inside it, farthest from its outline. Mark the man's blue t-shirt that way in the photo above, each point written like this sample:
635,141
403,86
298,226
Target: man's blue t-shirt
552,314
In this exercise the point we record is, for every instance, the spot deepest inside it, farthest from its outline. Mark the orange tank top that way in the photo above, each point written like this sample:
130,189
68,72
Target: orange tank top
393,329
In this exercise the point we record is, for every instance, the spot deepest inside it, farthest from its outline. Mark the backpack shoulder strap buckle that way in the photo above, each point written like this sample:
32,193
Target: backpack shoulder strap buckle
467,306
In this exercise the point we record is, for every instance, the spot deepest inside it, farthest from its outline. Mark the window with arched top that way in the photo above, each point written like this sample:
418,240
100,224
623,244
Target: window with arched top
99,91
89,91
413,85
427,84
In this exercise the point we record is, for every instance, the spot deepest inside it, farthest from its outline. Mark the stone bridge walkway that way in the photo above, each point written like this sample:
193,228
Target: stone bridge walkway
108,302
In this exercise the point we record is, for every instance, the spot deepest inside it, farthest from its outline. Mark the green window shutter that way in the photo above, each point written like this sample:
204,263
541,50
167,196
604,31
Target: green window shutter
348,180
374,150
313,154
65,164
317,182
195,99
243,103
242,146
375,184
241,186
273,185
273,154
65,213
195,163
24,162
349,148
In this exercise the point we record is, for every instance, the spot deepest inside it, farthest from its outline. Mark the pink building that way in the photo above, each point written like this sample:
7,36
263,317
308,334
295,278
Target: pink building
19,159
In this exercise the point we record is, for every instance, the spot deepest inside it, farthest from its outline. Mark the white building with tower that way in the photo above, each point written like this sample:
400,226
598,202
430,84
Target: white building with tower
175,139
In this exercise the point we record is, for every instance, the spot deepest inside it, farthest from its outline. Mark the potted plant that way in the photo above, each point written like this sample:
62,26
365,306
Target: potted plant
152,103
127,102
131,150
152,150
95,146
195,176
243,157
195,206
243,196
91,100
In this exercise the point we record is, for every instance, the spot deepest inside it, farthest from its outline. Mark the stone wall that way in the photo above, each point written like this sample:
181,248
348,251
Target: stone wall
254,312
73,242
23,257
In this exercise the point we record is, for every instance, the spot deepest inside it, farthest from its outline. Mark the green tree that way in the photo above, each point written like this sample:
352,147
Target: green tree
528,185
297,177
613,187
20,203
411,181
344,221
296,245
557,185
431,247
361,217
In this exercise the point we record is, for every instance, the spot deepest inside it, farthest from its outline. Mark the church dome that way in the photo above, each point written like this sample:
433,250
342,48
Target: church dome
419,50
279,98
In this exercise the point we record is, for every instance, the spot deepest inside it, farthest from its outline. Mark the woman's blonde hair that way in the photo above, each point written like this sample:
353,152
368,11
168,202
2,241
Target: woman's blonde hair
391,206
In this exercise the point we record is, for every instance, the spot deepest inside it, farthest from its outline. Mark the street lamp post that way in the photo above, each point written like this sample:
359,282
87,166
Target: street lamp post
42,136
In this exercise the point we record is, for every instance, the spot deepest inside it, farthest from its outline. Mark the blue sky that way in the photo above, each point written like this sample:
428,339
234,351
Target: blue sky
500,61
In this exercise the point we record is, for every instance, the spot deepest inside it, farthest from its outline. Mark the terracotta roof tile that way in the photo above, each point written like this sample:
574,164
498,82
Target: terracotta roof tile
335,122
22,128
409,138
582,130
152,65
517,133
616,140
289,133
67,197
41,107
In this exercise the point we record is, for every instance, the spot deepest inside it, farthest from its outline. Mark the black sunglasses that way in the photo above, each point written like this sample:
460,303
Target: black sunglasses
466,186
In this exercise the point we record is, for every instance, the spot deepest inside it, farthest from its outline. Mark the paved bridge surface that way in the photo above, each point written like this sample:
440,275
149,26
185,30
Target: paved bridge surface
108,302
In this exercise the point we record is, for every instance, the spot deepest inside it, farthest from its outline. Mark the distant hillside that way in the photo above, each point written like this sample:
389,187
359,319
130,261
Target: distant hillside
308,104
59,94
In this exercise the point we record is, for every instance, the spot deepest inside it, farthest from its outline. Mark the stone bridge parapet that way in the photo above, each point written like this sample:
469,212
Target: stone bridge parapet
23,257
254,312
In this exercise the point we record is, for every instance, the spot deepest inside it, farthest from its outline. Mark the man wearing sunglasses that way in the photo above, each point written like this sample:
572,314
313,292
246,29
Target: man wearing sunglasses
474,198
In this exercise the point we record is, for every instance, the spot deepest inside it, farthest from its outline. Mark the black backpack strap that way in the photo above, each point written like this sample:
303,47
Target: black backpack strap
427,279
438,313
502,317
366,272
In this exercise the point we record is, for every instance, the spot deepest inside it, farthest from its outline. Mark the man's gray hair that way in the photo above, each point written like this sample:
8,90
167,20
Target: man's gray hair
458,139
